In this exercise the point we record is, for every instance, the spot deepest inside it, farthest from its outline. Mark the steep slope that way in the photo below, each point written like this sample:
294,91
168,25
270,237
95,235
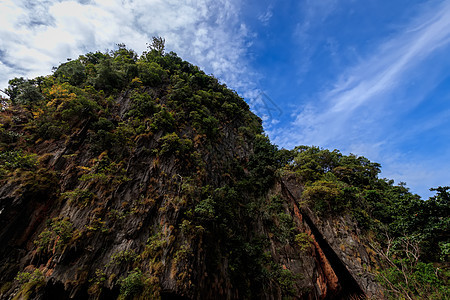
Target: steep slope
141,177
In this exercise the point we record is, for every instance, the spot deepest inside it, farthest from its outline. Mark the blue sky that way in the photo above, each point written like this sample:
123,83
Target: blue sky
366,77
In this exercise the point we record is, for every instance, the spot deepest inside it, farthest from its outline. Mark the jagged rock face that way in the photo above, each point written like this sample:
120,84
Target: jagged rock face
163,190
342,261
121,242
114,210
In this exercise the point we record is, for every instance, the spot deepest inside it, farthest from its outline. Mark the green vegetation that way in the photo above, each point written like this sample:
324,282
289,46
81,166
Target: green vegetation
17,159
304,241
172,144
109,110
79,196
134,137
411,234
105,172
30,284
131,285
55,237
24,92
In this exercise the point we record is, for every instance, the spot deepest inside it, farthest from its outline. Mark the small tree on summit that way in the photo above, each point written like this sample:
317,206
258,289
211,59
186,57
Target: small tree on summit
158,44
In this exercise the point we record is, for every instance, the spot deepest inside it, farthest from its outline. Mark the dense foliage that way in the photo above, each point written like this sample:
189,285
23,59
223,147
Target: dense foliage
117,107
110,110
411,233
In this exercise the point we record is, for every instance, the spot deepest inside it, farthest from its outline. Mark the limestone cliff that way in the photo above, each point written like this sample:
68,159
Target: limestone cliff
142,178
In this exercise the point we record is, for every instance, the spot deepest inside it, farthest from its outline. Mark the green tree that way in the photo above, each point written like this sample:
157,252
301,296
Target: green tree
72,72
158,44
23,91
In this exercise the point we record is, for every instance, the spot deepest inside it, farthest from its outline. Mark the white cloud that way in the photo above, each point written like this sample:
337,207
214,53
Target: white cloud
420,175
358,112
40,34
362,93
390,64
265,17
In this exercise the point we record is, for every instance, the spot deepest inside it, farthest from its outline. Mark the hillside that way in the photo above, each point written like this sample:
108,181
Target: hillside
141,177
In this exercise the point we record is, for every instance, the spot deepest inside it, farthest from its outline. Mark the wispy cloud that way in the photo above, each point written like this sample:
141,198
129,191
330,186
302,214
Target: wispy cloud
386,69
265,17
356,112
313,13
369,84
420,174
40,34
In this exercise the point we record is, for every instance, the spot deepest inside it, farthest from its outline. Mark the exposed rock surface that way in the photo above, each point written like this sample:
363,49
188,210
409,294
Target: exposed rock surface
334,266
171,211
